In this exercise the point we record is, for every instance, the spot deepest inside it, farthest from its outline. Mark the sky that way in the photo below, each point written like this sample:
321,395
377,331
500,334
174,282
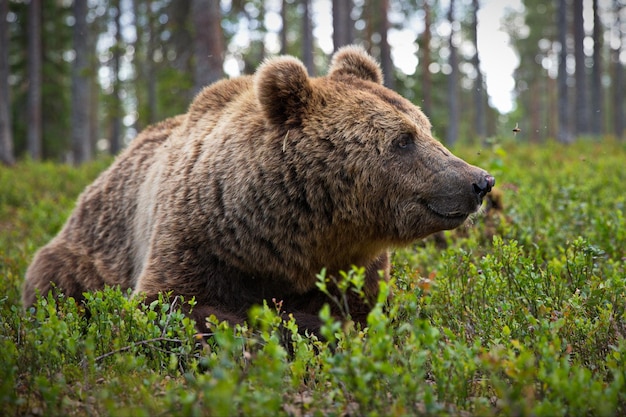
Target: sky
498,59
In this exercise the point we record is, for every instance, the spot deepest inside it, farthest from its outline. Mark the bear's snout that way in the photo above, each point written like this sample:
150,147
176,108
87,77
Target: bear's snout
484,185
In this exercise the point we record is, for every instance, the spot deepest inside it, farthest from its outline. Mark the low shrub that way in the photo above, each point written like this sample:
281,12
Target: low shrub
520,313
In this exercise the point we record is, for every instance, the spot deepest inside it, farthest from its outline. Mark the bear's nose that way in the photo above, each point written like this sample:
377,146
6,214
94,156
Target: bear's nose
482,187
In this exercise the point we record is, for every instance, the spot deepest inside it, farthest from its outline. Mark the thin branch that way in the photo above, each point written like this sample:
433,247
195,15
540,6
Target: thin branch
140,343
169,316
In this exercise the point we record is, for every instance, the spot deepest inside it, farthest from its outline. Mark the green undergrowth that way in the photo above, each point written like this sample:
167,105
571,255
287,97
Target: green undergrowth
521,312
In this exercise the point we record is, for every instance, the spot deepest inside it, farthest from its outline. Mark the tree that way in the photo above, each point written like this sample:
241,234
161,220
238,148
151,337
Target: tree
81,86
582,113
307,37
385,51
597,113
115,141
564,132
453,81
151,78
342,23
535,37
173,56
34,135
178,45
618,73
424,47
249,16
283,29
6,136
480,129
208,43
146,14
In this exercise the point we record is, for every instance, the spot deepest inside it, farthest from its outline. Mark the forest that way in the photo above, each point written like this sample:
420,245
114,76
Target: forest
81,78
521,311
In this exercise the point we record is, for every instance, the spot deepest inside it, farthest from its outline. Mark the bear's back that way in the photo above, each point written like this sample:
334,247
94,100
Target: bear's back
109,205
209,105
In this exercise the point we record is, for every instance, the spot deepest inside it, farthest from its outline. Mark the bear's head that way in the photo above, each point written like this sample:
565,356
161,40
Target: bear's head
370,150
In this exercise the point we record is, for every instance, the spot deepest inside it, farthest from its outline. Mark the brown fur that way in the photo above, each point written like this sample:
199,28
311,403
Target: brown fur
265,181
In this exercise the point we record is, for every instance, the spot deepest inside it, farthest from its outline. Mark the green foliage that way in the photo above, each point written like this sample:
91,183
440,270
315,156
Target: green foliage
523,313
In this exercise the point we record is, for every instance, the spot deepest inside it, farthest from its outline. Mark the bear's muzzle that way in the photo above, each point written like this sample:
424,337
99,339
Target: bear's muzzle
482,187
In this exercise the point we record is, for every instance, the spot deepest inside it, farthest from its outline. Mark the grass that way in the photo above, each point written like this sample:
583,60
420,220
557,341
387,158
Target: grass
522,313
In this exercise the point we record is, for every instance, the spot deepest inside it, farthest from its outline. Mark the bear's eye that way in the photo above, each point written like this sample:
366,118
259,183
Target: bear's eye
404,142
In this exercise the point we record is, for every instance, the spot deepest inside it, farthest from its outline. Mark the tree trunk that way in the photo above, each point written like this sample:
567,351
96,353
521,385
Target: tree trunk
453,104
115,143
553,108
94,107
151,83
536,110
307,38
582,113
618,75
564,131
342,23
370,15
181,39
208,43
81,142
385,51
426,58
597,113
34,135
283,29
6,136
479,102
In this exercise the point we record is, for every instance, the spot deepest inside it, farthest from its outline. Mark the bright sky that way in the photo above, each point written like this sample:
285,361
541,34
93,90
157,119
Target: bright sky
498,60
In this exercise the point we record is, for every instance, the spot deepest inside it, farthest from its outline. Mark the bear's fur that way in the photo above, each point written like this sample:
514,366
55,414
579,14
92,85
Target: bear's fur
265,181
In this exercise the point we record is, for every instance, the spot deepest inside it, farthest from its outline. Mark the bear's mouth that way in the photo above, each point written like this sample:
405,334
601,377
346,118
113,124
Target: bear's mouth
450,215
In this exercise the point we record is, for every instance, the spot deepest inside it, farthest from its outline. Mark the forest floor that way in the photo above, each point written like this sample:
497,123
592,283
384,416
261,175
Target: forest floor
522,312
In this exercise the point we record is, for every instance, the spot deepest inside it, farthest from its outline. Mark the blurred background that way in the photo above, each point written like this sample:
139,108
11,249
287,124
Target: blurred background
79,78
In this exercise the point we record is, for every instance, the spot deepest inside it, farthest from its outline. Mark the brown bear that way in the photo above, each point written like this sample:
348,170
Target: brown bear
265,181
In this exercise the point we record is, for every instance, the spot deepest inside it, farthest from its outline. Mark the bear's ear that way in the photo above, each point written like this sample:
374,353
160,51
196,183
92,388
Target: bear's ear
283,89
354,60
